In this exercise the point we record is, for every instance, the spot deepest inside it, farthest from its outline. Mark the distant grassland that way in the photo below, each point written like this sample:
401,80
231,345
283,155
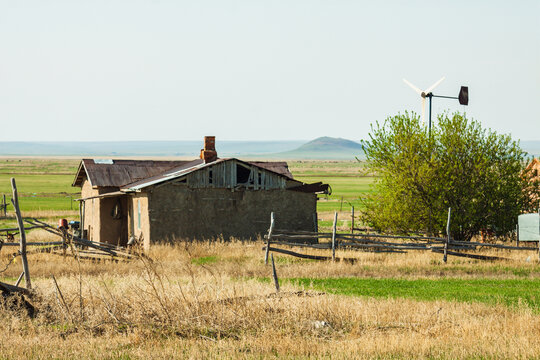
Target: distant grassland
346,178
45,184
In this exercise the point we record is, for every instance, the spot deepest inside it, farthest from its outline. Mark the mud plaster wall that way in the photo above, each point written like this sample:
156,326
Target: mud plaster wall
113,231
177,212
142,231
98,223
91,211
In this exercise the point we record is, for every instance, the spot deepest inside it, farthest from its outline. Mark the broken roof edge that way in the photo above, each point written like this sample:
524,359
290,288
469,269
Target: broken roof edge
176,173
78,174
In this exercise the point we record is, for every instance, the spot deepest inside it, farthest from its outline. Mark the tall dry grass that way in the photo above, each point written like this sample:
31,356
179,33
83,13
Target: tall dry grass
202,300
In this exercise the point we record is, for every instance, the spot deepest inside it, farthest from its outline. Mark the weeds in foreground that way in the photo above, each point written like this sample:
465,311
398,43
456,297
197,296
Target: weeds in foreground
176,305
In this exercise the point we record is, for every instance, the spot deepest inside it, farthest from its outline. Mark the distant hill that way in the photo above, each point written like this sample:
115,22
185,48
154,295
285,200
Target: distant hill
323,148
326,148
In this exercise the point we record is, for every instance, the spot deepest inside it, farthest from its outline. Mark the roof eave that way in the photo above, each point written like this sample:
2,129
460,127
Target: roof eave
79,176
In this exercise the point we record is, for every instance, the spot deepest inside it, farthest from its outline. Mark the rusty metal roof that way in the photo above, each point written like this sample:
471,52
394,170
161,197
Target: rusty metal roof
279,167
119,173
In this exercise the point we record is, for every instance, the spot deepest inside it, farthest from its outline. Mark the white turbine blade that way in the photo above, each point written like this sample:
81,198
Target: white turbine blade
430,89
423,111
413,87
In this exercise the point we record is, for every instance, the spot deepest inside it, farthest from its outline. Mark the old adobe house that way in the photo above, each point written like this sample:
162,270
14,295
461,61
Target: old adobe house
153,201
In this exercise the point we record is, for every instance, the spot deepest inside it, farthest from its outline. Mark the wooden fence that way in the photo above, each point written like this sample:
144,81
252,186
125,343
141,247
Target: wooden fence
278,240
78,247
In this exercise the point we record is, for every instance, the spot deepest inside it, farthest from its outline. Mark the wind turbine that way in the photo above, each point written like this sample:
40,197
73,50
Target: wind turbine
463,97
425,94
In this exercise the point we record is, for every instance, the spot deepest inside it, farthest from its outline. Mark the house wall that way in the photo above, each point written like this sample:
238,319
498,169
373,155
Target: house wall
178,212
113,230
91,219
98,222
224,175
138,229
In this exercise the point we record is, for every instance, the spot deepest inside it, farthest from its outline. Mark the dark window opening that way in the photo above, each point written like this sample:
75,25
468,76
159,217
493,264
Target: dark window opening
210,176
242,174
260,179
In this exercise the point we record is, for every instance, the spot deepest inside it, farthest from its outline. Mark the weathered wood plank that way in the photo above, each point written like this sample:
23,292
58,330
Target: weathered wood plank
471,256
22,235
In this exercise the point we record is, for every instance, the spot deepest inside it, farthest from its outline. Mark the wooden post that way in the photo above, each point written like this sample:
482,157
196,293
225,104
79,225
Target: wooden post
334,237
352,219
5,206
82,209
22,234
274,274
64,244
447,236
19,279
517,234
269,236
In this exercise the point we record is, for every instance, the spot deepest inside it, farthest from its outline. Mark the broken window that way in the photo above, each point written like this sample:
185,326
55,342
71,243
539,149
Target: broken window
242,174
210,176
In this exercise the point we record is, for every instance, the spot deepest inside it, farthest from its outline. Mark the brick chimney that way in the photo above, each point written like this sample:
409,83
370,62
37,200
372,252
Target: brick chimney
209,154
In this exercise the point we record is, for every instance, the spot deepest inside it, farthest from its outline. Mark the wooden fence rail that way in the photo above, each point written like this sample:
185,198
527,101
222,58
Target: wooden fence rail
332,241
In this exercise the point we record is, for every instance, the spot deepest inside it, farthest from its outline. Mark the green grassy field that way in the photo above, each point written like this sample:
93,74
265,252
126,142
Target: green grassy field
346,178
510,292
43,184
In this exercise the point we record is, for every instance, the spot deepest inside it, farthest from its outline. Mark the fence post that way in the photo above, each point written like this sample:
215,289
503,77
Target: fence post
447,235
334,237
352,219
5,206
274,274
268,237
22,234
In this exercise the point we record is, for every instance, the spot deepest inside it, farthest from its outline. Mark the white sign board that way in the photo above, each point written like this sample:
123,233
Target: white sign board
529,227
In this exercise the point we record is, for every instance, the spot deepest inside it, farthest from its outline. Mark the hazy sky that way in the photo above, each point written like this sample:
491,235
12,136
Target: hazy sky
259,70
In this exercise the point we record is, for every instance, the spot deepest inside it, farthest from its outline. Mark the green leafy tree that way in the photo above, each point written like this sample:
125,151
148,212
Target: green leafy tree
476,172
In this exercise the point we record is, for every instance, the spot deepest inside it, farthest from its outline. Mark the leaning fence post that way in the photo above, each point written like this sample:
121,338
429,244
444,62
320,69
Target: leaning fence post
447,235
268,237
22,234
274,274
334,237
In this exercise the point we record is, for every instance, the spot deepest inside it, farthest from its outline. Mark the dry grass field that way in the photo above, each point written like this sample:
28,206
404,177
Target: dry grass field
214,300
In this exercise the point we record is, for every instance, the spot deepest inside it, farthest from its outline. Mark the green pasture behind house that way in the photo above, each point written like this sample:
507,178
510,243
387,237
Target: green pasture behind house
155,201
